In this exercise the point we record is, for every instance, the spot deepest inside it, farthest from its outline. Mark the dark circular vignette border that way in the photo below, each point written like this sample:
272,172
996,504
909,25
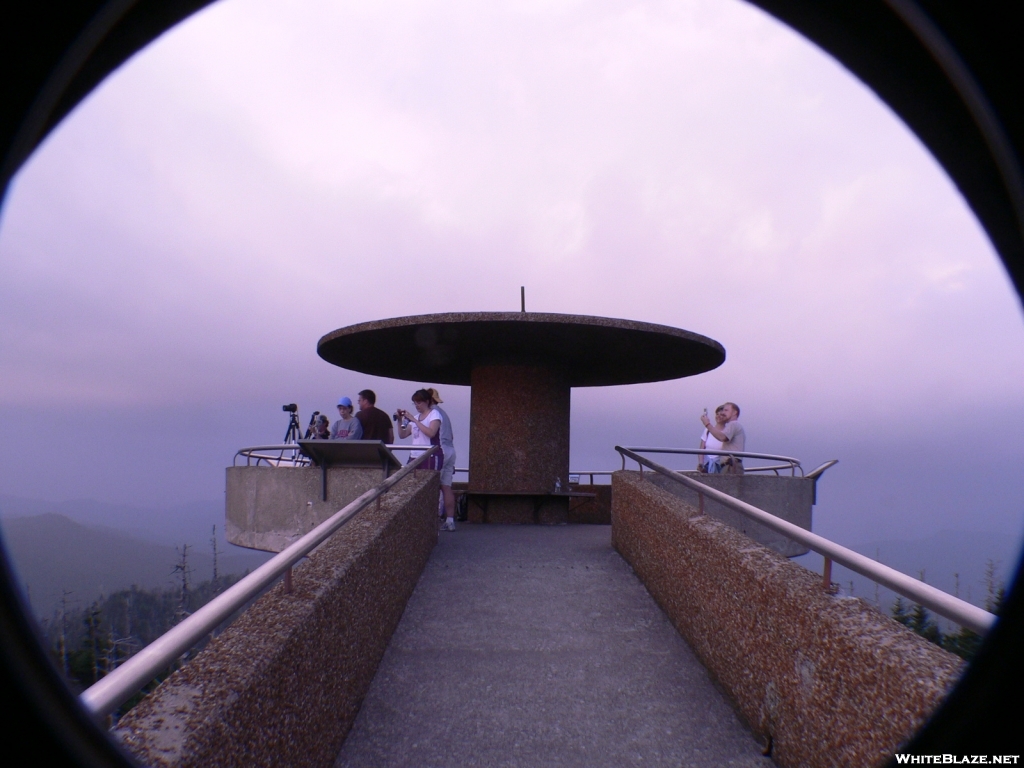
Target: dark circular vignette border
953,72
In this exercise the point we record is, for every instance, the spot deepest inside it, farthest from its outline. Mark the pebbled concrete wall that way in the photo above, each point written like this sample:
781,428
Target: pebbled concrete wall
283,684
830,680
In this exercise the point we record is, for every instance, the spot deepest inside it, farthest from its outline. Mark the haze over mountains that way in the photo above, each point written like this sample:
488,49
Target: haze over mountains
91,549
953,561
178,524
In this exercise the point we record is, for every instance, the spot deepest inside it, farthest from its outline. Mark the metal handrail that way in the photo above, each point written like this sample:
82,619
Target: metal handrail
250,453
814,474
590,472
104,696
942,603
769,468
791,463
465,470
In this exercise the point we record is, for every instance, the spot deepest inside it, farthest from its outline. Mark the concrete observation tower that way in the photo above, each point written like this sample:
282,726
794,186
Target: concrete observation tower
521,367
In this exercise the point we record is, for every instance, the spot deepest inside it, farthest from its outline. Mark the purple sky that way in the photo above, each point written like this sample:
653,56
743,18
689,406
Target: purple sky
266,173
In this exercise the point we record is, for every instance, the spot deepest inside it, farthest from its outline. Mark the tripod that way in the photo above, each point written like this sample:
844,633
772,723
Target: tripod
294,430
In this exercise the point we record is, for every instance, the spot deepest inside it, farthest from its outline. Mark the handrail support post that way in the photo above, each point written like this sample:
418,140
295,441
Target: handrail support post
826,576
288,587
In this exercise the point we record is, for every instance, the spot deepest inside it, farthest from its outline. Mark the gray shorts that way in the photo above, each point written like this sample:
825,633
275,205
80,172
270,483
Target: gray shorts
448,468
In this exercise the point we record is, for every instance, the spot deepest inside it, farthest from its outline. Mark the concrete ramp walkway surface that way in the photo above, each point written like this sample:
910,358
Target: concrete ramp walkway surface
537,646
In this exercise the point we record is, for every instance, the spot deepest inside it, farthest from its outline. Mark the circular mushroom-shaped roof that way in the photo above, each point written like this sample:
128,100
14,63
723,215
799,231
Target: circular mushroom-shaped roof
589,351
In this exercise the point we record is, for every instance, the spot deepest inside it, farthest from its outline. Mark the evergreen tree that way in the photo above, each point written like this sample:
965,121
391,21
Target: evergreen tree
964,643
923,624
900,612
84,664
995,592
96,640
917,619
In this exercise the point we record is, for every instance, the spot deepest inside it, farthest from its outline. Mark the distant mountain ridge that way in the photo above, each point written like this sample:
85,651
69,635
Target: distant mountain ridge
953,561
946,553
94,548
53,553
189,523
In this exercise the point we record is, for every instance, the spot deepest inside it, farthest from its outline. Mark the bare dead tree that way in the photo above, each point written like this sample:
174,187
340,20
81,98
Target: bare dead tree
182,567
216,580
878,601
66,593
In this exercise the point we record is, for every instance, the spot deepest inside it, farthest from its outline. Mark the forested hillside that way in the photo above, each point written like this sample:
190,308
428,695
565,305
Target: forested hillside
62,562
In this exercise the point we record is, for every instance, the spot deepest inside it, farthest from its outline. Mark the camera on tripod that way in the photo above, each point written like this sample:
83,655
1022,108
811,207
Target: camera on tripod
294,430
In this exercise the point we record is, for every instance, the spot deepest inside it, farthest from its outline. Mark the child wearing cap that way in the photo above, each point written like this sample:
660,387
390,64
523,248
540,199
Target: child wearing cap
348,426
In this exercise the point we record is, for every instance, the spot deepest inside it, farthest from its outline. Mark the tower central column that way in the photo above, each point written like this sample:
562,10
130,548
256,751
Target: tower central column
518,438
518,429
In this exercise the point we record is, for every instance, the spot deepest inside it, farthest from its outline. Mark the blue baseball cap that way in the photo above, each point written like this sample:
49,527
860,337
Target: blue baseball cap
346,402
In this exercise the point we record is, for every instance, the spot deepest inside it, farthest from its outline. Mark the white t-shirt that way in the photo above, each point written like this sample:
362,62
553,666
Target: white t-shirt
710,441
418,438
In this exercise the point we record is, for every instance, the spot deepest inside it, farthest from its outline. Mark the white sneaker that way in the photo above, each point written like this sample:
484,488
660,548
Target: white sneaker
448,525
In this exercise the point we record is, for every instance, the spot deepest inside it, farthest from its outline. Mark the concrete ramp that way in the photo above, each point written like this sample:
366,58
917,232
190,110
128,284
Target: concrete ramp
535,646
